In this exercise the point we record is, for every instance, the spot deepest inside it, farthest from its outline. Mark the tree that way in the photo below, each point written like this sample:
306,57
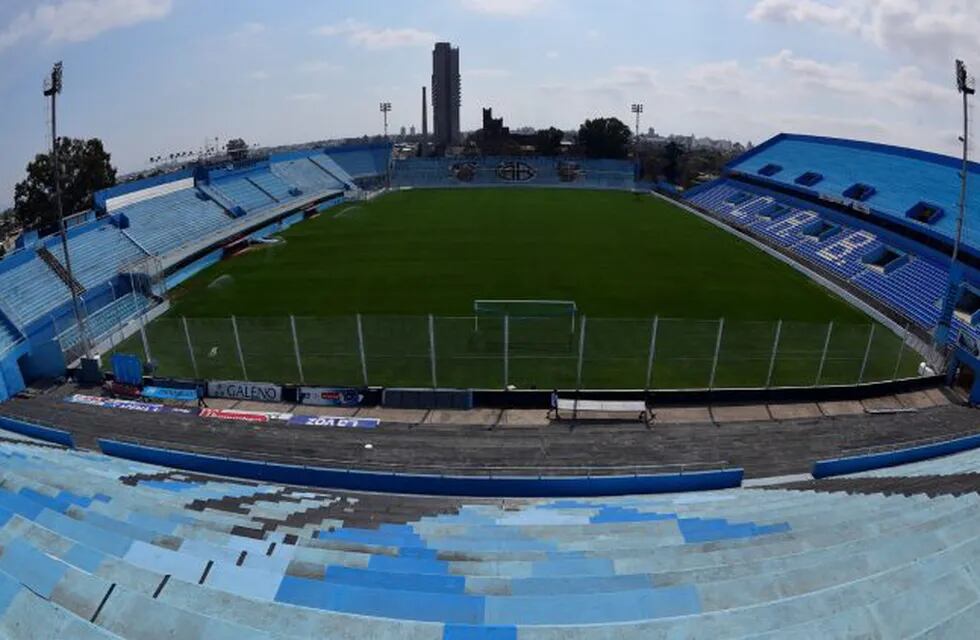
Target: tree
672,155
85,169
604,138
237,149
548,141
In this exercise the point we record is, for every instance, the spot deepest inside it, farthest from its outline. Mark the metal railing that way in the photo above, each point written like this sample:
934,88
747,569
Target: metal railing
510,351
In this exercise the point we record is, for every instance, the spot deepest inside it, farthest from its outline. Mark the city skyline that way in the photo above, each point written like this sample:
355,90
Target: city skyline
295,72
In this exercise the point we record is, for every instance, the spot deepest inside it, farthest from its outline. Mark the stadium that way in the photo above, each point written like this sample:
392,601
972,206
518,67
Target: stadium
343,392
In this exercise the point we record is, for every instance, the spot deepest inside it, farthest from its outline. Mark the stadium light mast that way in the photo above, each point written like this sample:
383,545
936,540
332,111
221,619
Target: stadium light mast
52,88
637,109
385,108
965,85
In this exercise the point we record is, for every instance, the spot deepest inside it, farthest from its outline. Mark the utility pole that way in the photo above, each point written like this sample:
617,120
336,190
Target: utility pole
52,88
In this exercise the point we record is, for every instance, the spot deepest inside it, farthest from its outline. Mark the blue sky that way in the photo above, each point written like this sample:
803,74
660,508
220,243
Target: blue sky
158,76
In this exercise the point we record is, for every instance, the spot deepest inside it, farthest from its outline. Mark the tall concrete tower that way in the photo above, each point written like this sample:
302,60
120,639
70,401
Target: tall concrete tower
446,94
425,116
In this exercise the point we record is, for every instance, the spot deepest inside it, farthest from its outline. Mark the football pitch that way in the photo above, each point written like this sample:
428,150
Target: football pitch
624,259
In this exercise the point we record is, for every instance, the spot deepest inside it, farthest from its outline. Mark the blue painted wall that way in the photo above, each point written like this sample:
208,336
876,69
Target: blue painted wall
856,464
427,484
194,268
36,431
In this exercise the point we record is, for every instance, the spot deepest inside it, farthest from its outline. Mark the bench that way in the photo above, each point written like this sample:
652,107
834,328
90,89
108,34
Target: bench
635,407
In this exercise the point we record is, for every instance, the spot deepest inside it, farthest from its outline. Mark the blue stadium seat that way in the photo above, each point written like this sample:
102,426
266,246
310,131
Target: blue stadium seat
242,192
163,224
306,176
913,289
31,290
98,254
719,564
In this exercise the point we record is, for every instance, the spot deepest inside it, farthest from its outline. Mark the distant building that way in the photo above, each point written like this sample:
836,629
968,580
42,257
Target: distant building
493,128
446,94
411,130
403,132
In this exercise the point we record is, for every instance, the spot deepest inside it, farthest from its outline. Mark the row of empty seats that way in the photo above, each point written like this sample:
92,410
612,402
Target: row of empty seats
31,290
913,289
306,175
361,163
242,192
142,552
106,319
99,254
163,224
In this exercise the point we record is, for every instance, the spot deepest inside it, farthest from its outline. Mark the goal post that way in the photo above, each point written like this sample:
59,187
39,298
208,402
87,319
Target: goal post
524,309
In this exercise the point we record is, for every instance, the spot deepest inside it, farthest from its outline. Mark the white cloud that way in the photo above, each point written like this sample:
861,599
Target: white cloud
507,8
80,20
803,11
905,87
937,30
486,73
259,75
368,37
551,55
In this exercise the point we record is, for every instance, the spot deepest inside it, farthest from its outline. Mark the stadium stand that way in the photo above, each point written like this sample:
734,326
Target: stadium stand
305,175
330,165
115,547
160,225
243,192
523,171
173,219
271,185
98,254
912,289
360,162
32,287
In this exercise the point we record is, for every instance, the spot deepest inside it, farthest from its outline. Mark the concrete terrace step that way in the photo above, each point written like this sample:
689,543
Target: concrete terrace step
720,564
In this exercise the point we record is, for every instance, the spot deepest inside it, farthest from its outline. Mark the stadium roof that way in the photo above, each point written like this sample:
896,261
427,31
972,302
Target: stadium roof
900,178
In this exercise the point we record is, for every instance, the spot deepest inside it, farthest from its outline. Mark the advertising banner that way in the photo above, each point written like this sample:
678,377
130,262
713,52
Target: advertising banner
330,396
128,405
239,416
167,393
332,421
239,390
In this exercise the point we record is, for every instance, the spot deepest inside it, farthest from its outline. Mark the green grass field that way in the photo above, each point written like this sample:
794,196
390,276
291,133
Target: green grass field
622,258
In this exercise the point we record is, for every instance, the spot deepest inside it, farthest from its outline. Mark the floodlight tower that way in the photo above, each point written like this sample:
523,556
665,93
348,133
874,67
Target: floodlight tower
385,108
637,109
52,88
966,87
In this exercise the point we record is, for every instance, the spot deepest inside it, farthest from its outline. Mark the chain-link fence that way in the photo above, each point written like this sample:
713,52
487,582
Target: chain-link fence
527,353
